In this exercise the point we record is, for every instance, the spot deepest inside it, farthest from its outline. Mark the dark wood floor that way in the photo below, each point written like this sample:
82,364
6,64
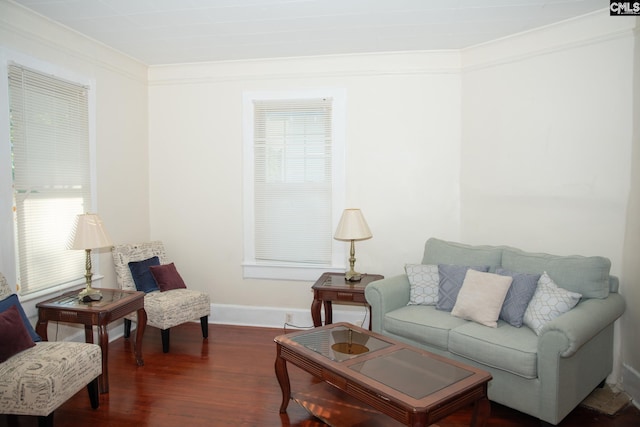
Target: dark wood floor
229,380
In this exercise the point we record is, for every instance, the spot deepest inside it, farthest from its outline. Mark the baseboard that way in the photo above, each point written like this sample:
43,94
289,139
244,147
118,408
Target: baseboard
631,383
276,317
227,314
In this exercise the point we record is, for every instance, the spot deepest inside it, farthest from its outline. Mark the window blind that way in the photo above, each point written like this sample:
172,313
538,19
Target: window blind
51,175
292,181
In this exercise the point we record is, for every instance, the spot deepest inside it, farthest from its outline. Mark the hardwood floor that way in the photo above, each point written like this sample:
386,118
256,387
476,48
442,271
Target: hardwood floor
229,380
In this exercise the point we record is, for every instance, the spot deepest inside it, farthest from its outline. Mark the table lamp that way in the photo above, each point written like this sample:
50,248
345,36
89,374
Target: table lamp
89,233
352,227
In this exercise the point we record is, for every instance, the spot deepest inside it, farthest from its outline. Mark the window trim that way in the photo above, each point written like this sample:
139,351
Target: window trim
8,257
253,269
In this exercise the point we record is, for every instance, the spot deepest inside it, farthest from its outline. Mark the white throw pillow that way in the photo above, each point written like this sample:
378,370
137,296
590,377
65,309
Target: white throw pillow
548,302
481,297
423,280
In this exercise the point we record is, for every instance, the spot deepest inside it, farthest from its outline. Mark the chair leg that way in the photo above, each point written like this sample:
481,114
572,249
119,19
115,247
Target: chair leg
165,340
12,420
46,421
204,323
127,328
94,393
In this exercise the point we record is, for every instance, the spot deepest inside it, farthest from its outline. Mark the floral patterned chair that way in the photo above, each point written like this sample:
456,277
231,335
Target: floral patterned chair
36,377
165,308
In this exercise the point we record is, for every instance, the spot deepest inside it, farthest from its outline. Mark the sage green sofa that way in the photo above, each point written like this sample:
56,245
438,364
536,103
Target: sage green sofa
545,375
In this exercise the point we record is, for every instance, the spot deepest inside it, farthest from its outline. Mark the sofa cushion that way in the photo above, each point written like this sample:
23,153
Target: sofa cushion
142,276
548,302
588,276
520,293
451,279
423,324
505,347
423,280
12,300
14,336
438,251
167,277
481,296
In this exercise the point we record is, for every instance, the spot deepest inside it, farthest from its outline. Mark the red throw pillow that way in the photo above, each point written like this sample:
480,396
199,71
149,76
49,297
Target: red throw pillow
167,277
14,336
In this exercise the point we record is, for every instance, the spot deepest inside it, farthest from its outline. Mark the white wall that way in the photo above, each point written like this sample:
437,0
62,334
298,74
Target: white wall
121,120
403,144
631,266
547,142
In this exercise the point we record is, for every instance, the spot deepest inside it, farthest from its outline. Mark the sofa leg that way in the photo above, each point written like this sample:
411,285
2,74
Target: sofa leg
165,340
546,424
94,393
204,323
46,421
127,328
602,383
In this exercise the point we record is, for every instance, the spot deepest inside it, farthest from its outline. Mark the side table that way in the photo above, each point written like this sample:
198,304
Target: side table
333,287
115,303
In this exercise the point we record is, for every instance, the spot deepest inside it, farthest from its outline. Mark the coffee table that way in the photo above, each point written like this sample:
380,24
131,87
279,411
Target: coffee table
413,386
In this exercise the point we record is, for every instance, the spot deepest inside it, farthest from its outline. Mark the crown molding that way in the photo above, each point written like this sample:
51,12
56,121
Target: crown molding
593,28
15,34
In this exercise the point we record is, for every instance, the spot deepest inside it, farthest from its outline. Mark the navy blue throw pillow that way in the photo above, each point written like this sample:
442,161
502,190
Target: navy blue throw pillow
142,276
12,300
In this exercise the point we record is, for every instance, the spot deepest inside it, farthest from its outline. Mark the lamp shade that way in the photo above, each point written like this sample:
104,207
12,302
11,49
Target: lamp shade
89,233
352,226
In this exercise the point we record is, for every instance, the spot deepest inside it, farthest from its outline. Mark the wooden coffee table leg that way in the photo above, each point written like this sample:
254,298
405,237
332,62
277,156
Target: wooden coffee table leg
283,380
481,412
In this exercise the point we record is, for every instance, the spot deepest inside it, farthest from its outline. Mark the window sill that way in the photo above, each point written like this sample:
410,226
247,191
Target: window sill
286,272
54,291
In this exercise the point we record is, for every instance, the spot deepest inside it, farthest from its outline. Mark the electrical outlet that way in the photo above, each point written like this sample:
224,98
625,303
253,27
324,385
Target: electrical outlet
288,318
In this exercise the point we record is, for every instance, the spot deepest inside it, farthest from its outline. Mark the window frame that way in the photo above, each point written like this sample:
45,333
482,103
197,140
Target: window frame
252,268
8,249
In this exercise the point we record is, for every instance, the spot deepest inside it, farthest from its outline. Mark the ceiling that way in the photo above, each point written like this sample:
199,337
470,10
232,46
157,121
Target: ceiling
183,31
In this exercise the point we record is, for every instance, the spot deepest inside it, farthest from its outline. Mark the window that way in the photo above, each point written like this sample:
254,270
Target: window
294,183
50,174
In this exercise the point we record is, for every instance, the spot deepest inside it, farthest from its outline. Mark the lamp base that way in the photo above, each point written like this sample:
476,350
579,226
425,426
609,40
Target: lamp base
353,276
89,294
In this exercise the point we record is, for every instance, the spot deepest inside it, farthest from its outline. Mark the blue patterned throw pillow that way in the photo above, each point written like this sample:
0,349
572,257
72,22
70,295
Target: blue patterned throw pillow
520,293
451,279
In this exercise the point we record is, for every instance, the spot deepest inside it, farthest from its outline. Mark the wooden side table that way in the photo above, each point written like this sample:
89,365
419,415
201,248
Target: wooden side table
332,287
115,303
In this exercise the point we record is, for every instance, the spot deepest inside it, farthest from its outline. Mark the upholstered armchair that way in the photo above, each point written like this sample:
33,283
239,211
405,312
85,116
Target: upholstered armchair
165,308
36,377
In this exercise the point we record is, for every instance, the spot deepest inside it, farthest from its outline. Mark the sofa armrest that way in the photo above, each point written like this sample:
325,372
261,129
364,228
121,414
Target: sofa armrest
386,295
581,324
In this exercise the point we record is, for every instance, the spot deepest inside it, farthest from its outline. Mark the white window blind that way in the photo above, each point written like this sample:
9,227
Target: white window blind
294,182
293,172
49,128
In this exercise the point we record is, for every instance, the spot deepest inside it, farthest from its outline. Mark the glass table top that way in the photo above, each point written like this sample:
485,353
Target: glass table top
410,372
340,343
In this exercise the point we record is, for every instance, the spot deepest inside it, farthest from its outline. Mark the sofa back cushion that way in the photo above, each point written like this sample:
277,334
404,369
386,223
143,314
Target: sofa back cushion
588,276
438,251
